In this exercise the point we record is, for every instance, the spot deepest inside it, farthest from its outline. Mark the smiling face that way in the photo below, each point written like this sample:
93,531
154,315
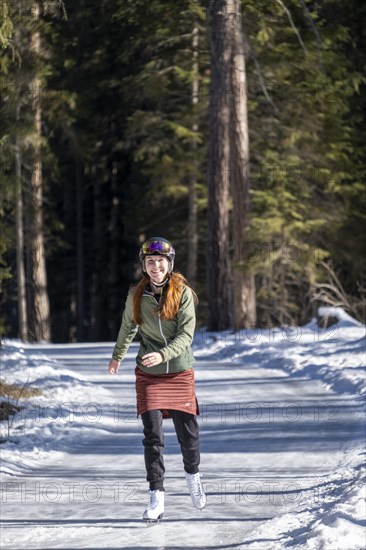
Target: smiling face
157,268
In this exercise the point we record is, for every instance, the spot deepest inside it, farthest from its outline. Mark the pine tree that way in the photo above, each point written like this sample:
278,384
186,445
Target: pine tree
219,162
299,130
40,301
229,158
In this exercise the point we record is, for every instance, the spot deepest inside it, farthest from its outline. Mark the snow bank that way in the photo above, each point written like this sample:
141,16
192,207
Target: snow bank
63,412
334,521
335,355
338,313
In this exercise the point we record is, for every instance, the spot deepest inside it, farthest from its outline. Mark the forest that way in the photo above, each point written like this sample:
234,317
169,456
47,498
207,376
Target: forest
235,129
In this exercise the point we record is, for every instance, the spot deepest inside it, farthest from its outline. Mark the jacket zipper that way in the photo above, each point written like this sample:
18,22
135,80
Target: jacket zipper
161,329
161,332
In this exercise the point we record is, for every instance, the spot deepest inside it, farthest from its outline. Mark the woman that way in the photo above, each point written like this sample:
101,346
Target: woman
161,306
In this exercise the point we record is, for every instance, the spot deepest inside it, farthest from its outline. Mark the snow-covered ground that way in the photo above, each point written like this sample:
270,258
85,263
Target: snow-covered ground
282,439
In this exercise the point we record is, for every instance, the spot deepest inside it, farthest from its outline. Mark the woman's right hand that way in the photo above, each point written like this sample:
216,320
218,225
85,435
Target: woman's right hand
113,366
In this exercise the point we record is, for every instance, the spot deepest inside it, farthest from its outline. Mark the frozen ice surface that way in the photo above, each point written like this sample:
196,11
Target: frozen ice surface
282,440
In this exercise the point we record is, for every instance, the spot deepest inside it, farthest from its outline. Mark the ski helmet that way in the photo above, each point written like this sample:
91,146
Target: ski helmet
157,246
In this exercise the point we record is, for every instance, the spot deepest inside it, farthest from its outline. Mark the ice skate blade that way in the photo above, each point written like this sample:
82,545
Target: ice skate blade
150,522
199,508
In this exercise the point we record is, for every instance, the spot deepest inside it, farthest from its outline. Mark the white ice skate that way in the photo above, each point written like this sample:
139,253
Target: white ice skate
155,509
198,495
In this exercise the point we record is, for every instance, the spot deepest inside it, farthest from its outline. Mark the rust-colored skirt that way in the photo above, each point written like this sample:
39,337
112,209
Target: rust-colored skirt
166,391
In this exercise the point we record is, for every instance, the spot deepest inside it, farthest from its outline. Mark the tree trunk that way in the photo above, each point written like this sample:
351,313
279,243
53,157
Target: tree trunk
244,299
192,189
218,169
97,283
80,291
41,309
114,300
19,222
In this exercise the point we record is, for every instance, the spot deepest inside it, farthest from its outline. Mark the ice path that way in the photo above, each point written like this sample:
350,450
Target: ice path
269,442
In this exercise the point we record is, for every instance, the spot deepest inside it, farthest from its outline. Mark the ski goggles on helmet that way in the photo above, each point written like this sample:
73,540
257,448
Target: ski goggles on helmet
157,247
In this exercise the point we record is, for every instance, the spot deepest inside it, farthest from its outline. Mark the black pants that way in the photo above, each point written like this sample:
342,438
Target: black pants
186,428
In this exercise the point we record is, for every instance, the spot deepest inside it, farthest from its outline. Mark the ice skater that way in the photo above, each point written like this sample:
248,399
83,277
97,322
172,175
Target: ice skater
162,308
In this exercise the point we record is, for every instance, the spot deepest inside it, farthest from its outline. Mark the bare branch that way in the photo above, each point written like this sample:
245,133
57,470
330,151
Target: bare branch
315,30
291,21
336,283
333,294
322,295
259,71
333,288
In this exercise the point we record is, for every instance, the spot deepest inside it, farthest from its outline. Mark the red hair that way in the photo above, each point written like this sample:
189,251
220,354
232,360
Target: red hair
171,297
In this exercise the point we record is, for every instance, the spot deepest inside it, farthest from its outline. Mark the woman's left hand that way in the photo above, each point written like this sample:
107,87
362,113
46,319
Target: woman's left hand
152,359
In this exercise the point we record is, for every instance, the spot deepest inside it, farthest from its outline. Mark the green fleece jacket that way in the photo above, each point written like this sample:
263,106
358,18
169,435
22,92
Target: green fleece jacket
171,338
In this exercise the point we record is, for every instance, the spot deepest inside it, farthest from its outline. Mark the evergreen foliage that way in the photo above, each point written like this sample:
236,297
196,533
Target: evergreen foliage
121,140
301,150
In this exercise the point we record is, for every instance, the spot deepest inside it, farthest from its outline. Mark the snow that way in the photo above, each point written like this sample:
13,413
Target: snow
338,312
282,439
